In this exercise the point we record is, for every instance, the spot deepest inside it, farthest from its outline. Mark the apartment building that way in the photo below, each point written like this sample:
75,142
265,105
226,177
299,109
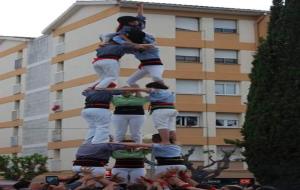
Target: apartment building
206,51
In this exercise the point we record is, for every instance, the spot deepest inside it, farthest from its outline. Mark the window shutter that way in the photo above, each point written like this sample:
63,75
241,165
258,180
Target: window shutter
226,24
186,23
187,87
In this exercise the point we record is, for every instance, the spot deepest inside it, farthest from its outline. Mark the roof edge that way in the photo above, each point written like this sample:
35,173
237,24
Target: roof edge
196,8
162,6
16,38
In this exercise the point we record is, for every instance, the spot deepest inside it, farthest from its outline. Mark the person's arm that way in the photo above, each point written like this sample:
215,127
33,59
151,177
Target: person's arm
134,145
149,39
123,40
106,37
140,16
126,89
140,9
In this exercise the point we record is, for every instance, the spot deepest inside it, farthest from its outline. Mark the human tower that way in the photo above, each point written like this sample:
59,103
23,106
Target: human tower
99,144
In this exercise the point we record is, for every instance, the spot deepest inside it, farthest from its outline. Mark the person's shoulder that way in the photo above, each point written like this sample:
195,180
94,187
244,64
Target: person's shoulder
155,145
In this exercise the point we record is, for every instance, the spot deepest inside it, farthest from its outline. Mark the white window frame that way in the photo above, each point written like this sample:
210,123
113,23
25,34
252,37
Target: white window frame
225,83
188,24
226,59
189,57
226,118
195,155
189,114
225,29
199,86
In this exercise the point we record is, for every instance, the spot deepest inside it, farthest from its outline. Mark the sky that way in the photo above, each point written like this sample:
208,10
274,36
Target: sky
29,17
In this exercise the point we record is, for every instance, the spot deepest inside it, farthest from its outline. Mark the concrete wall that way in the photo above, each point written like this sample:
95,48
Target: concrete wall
8,63
36,109
7,44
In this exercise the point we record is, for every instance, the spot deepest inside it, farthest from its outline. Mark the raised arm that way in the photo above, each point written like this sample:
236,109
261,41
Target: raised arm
134,145
140,9
140,16
127,89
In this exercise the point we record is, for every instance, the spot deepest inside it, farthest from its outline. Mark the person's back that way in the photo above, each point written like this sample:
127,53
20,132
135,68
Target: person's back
114,51
95,156
98,96
166,150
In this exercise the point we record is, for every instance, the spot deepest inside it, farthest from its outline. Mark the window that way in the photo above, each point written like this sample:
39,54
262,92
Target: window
17,105
236,155
18,79
188,120
60,66
59,95
225,26
226,88
186,23
188,87
197,155
227,120
61,38
188,55
226,56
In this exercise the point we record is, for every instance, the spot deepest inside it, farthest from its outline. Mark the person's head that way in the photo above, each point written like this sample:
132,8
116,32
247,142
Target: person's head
203,186
128,141
128,21
126,93
137,186
266,188
38,183
231,187
136,36
157,85
21,184
156,138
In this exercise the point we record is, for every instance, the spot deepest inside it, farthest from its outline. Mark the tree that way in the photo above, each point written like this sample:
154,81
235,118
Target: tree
22,168
272,125
202,173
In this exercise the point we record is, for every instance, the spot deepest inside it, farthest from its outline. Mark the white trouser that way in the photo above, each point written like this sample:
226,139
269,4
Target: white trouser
96,171
164,119
166,168
154,71
108,70
121,123
130,175
98,120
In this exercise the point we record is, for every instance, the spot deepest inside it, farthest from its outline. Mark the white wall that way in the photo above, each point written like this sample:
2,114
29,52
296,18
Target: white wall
6,87
89,34
8,63
68,155
74,128
207,28
208,59
246,31
5,110
85,11
5,137
7,44
245,59
79,66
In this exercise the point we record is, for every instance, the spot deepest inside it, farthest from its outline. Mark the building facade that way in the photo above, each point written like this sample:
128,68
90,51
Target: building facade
207,54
